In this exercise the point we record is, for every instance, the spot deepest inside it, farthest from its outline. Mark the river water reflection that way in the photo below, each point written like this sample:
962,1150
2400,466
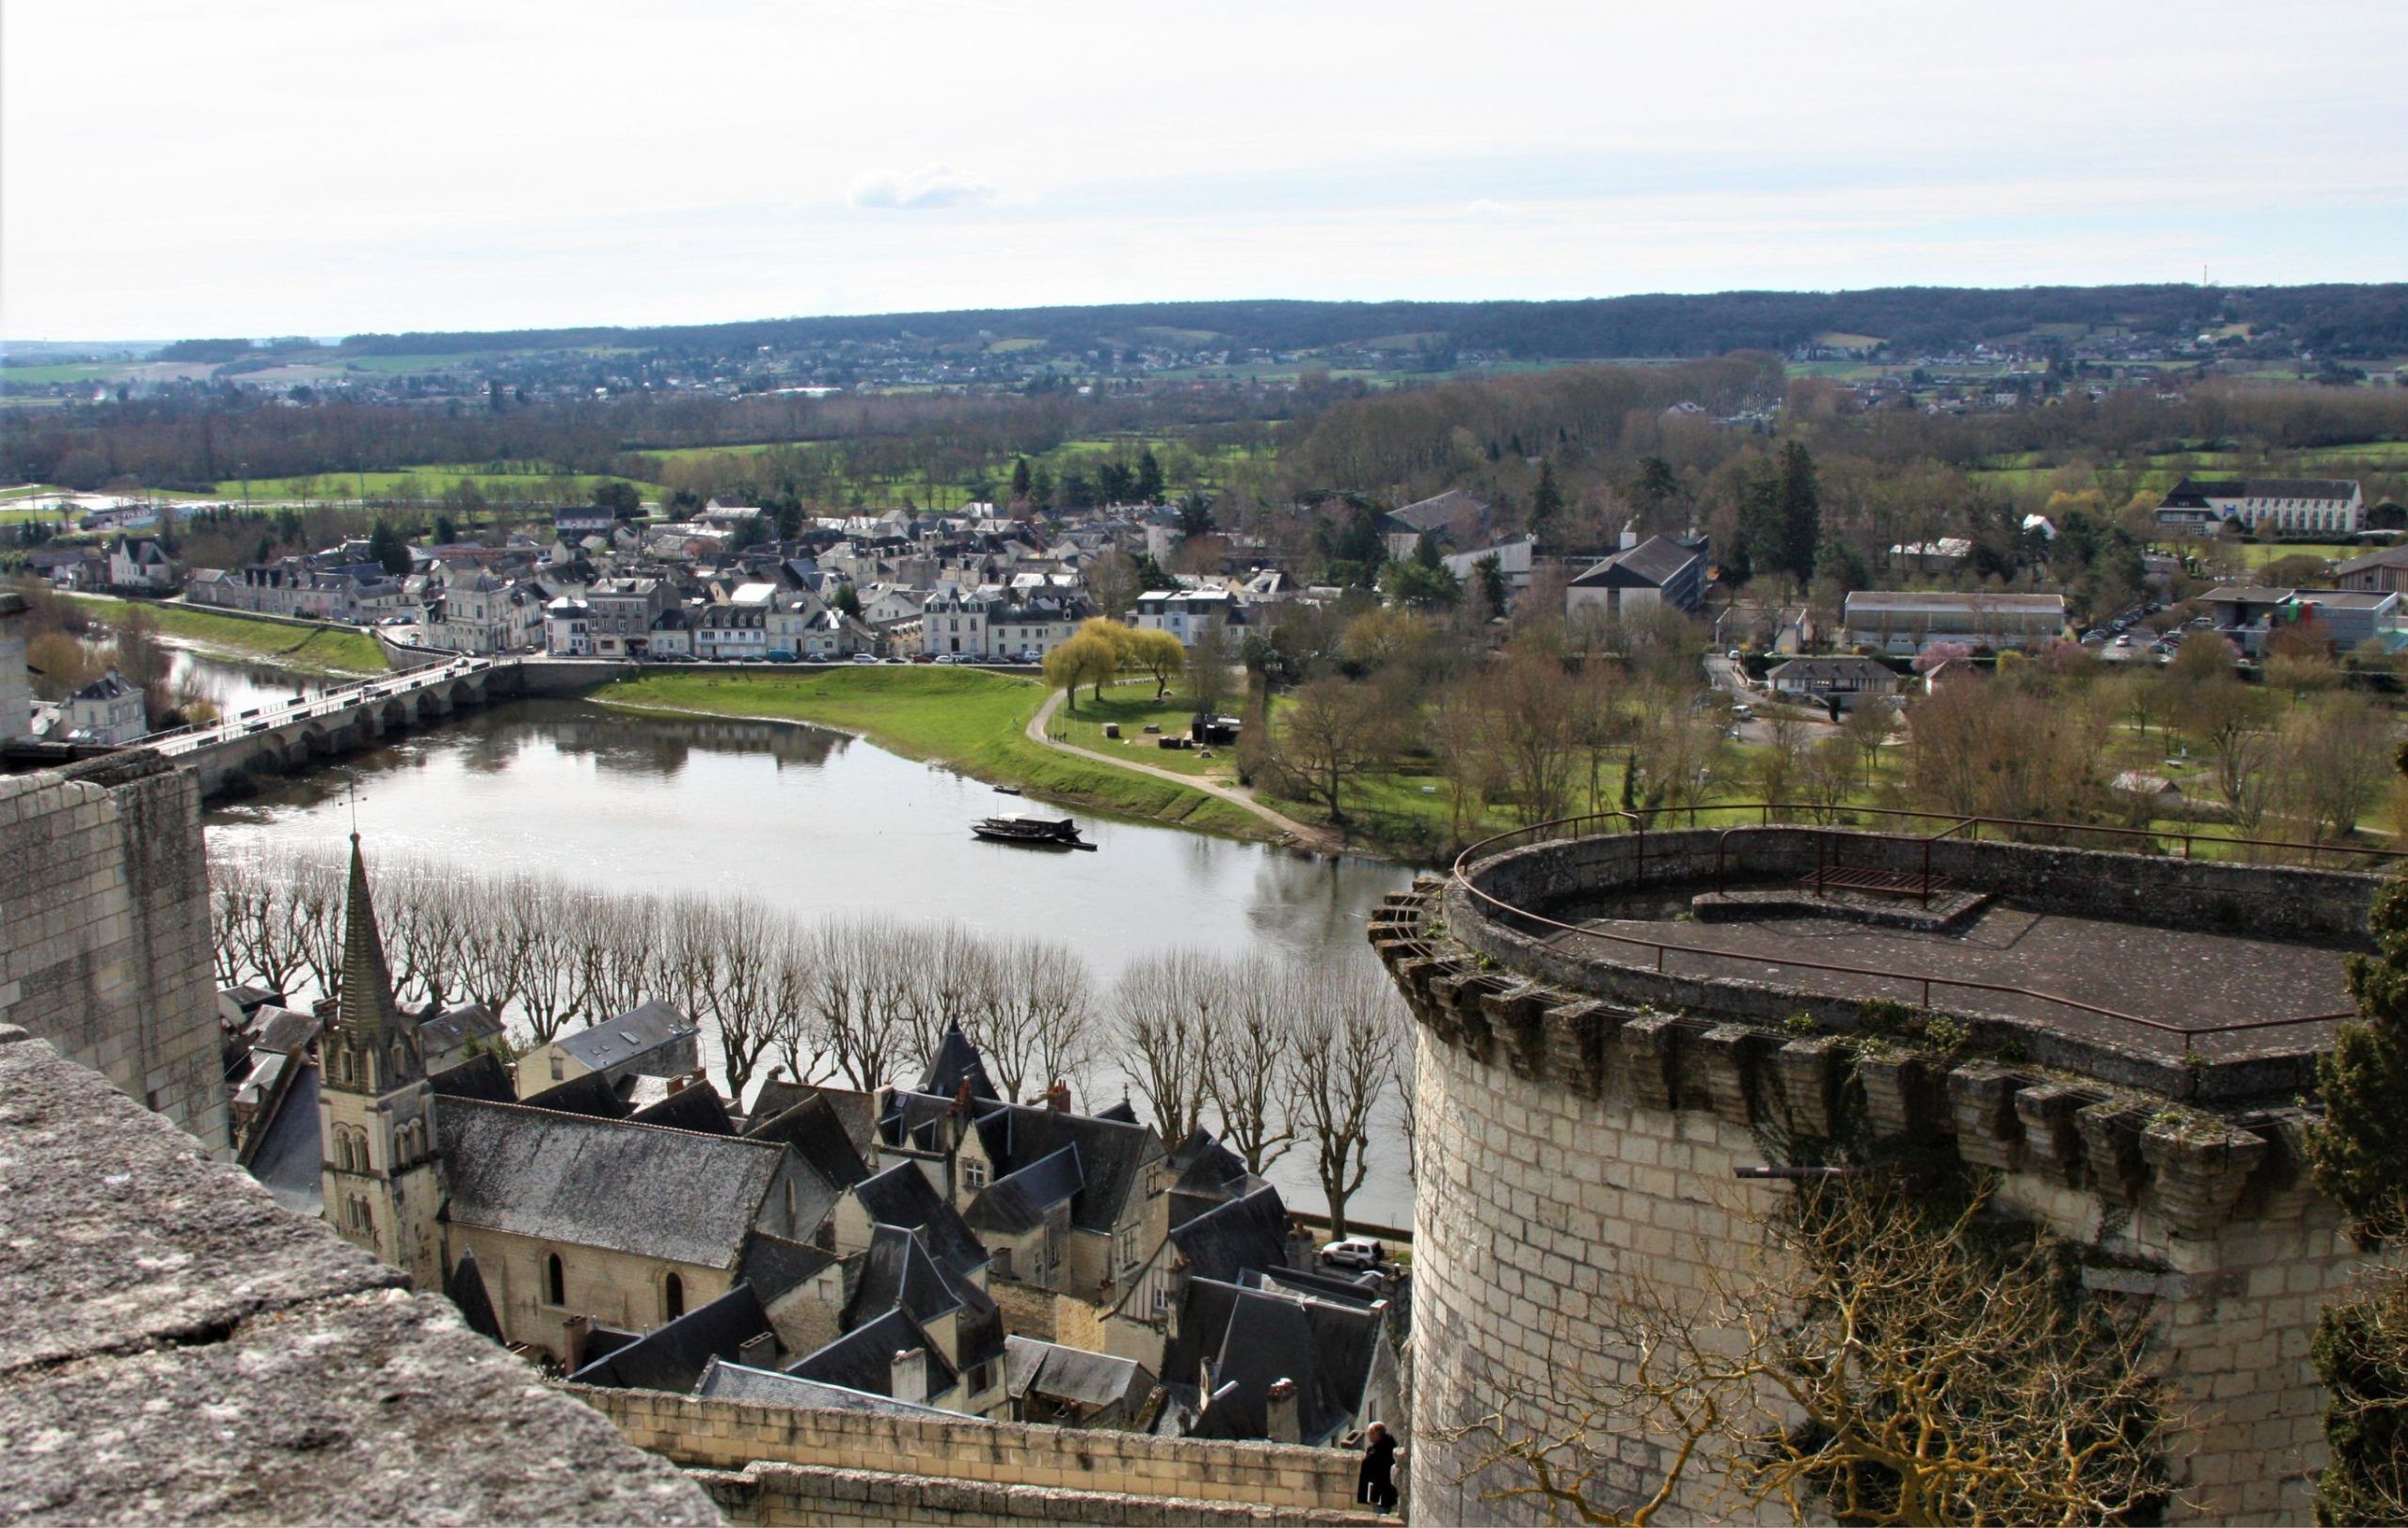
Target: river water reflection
817,823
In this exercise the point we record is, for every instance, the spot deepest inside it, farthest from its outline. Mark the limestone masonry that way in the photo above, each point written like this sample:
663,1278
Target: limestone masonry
104,930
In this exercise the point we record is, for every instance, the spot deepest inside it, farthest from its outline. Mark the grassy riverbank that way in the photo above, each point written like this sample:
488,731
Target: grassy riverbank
312,649
975,721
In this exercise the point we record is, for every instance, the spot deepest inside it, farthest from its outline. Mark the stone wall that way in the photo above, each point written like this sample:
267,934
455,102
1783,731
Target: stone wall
175,1345
16,685
104,930
1567,1143
802,1496
731,1435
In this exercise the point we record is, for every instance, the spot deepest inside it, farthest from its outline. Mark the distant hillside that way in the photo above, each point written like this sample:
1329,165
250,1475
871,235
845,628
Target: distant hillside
2353,321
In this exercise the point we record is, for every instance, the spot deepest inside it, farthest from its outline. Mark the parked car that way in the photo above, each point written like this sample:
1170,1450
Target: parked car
864,657
1353,1252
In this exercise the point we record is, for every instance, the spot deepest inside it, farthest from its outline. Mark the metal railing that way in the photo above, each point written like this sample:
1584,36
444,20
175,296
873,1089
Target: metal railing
1583,826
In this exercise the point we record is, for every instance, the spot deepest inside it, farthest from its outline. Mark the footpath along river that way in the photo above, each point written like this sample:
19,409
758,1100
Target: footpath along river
819,824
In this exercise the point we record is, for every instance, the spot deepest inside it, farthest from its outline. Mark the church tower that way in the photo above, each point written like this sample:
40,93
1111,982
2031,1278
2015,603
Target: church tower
375,1111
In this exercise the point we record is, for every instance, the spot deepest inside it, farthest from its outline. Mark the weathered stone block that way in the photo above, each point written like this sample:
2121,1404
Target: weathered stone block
1981,1103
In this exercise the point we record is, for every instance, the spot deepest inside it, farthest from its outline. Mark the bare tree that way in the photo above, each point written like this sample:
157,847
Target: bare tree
551,975
1867,730
1037,1027
858,1027
744,937
1170,1006
1886,1357
1349,1022
1245,1071
793,1017
2339,754
1336,731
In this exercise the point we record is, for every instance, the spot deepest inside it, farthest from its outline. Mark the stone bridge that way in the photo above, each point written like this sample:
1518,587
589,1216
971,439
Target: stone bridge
272,739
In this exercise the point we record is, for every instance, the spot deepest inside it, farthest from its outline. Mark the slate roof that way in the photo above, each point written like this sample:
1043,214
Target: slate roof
285,1028
1654,562
454,1028
1202,1164
639,1030
481,1076
673,1357
2387,557
290,1155
773,1266
725,1381
957,1061
1439,513
2199,491
1019,1202
1805,670
1246,1233
1113,1155
1255,1337
668,1194
864,1358
1071,1373
697,1108
856,1111
815,1133
466,1287
588,1093
902,1196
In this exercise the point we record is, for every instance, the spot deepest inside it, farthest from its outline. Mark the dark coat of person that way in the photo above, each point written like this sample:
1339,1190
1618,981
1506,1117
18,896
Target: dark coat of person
1375,1482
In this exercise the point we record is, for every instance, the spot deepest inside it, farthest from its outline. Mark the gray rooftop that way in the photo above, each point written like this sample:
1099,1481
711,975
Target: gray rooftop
614,1042
637,1188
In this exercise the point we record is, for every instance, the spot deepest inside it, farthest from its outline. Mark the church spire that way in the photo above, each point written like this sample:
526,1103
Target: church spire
365,1010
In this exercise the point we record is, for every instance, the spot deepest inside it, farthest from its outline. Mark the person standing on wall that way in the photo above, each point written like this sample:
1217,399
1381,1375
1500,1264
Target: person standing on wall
1375,1483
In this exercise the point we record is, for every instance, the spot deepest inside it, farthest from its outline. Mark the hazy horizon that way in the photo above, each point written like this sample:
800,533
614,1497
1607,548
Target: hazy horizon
265,166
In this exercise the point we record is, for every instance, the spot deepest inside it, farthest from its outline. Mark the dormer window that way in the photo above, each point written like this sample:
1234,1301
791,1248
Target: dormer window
973,1176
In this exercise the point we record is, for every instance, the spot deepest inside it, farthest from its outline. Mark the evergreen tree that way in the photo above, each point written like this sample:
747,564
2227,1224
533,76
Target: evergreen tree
1655,486
1196,514
386,545
1019,479
1801,511
446,532
846,601
1490,572
1150,478
1546,501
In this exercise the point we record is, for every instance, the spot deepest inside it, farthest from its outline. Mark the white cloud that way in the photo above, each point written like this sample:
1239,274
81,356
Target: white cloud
929,187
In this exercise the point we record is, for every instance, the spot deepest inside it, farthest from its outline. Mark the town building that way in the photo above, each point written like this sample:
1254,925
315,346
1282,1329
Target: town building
2283,506
1660,573
1906,621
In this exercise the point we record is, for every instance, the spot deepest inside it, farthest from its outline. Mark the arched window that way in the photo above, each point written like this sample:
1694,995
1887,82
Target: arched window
672,1297
555,1281
344,1058
399,1068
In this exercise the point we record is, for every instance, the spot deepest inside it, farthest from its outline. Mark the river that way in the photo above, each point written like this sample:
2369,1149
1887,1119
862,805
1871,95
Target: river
817,823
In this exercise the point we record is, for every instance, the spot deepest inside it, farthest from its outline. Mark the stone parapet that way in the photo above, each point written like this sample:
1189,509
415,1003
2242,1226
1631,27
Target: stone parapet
174,1344
725,1434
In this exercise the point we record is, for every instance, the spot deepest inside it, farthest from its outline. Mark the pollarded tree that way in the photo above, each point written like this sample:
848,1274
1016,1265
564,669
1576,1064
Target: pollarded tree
1349,1024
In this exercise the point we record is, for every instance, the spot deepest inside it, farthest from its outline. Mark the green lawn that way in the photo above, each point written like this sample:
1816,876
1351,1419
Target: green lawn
315,650
1131,704
969,718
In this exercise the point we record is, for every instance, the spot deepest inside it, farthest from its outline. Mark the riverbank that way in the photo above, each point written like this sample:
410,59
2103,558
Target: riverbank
324,649
970,719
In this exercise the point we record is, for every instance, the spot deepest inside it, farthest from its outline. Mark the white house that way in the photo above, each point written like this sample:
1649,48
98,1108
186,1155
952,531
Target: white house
2325,506
953,620
1910,620
108,709
568,628
1188,614
140,563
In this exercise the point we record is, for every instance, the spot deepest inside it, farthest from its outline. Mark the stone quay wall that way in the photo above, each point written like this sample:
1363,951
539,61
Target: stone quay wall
977,1456
1568,1144
105,939
2326,908
806,1496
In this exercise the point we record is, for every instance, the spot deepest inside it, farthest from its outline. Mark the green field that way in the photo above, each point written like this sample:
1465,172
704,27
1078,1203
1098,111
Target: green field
967,718
316,650
432,481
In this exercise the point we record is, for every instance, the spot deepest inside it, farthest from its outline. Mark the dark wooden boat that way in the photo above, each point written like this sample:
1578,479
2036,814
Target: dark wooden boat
1006,791
1034,831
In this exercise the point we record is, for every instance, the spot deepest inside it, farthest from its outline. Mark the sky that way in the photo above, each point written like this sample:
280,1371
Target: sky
262,166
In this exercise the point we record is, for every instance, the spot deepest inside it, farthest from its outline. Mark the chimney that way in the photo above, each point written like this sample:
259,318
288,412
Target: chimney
1629,534
676,1085
1279,1412
574,1333
1057,1097
908,1377
759,1351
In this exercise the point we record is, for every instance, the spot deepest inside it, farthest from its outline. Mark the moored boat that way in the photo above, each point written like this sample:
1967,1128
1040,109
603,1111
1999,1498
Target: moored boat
1036,832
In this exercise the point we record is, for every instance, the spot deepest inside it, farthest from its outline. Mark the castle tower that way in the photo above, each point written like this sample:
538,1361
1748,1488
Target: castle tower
375,1111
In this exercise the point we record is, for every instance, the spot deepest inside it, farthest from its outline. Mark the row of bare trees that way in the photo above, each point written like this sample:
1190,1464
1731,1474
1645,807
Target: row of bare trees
1274,1055
855,999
